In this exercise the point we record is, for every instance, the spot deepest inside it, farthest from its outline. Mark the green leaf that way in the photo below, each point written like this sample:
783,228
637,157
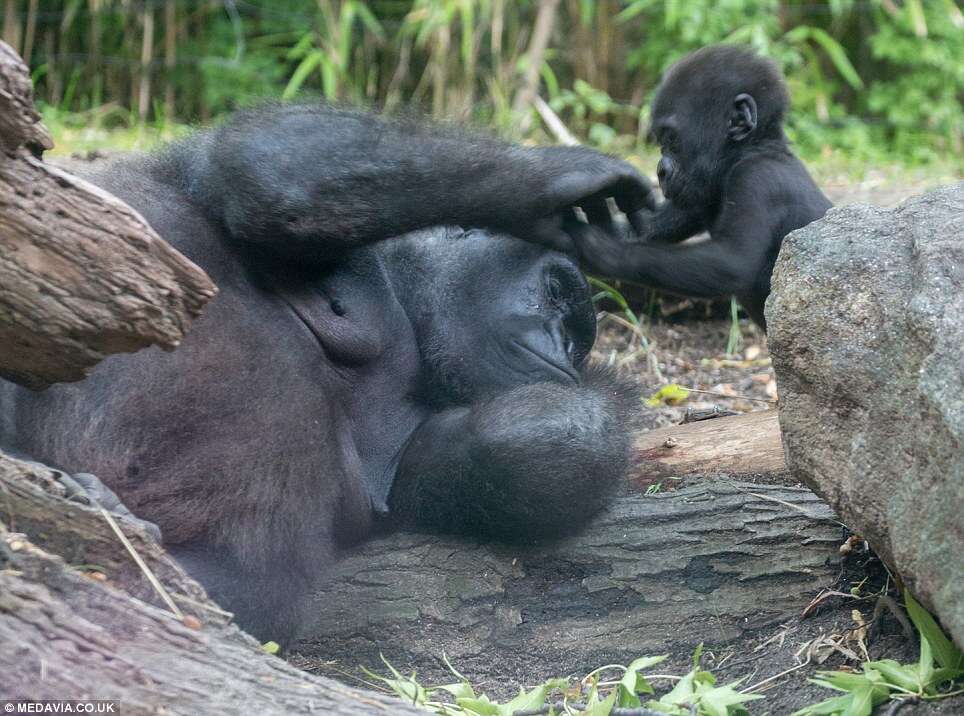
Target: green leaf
370,21
941,675
459,690
829,707
925,665
634,683
683,693
901,675
304,68
644,662
270,647
480,705
947,655
601,708
838,56
526,700
864,698
717,701
839,680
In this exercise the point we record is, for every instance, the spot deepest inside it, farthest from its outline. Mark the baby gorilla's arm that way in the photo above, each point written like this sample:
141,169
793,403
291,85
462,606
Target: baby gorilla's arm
536,461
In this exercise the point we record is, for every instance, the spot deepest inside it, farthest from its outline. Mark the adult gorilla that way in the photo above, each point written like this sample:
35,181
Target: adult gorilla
726,168
439,380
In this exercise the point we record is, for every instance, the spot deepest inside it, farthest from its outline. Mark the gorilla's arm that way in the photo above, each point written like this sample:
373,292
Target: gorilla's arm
725,265
669,223
316,180
539,460
753,211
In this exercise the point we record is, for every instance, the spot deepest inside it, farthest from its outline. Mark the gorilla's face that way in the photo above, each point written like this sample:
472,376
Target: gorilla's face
508,313
539,328
689,124
689,165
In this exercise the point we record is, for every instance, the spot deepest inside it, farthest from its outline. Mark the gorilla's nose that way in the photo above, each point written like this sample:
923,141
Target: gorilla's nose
662,170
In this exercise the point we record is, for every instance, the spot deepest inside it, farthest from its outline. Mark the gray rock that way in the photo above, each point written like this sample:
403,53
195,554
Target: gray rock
866,325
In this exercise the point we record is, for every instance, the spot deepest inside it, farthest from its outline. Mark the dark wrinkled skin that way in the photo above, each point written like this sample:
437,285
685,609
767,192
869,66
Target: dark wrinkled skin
336,384
727,169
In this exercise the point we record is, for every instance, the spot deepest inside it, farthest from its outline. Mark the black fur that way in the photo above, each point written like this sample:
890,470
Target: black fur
438,378
727,169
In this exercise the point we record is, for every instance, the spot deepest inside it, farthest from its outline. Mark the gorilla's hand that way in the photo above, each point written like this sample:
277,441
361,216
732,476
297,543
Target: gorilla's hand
576,177
605,252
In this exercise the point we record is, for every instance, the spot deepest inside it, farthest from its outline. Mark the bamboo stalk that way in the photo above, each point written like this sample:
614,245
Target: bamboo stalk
541,35
170,56
30,34
147,56
11,25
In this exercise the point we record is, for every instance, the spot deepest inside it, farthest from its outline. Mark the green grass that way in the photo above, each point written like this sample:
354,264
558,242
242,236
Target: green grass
105,130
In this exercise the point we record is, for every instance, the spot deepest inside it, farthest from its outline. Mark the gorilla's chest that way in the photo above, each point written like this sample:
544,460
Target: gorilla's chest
368,351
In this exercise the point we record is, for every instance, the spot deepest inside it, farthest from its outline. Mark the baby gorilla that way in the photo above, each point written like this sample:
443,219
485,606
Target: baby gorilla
726,168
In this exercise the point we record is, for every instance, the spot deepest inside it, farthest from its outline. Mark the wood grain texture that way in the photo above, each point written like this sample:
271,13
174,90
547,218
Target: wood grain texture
652,574
19,120
82,275
739,445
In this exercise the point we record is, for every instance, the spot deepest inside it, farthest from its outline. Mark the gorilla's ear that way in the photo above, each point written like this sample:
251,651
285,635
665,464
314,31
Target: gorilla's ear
742,117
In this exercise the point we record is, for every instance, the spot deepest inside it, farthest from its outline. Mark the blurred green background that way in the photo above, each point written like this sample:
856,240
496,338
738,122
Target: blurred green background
872,81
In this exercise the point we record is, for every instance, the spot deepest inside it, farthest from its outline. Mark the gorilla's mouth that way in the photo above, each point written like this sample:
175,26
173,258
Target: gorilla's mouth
559,367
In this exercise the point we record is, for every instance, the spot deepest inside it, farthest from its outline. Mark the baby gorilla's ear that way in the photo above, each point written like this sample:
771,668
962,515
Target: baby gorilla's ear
742,117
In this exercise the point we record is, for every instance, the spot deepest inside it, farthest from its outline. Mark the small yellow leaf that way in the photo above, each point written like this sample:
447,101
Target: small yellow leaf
271,647
671,394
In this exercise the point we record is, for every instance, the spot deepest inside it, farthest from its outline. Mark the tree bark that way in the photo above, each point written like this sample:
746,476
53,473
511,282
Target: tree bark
82,275
19,120
659,573
741,445
67,635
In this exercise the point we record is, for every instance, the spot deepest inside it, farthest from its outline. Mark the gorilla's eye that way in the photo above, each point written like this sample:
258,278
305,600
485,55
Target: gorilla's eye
669,138
554,290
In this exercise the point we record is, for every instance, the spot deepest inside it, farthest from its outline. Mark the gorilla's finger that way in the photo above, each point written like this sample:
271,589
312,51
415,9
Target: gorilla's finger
634,194
599,252
550,232
638,220
597,212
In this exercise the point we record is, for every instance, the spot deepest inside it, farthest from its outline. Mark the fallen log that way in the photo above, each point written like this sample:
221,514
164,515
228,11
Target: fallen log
655,573
86,624
82,275
738,446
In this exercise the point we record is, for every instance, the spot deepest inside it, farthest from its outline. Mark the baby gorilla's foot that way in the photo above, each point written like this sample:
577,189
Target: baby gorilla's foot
87,489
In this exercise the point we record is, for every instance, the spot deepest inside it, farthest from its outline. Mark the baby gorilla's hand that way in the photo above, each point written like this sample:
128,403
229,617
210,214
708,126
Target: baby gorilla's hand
612,252
576,177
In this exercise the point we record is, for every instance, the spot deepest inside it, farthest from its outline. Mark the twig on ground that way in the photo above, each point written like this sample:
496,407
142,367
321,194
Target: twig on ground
155,582
560,707
757,685
887,602
897,704
734,397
